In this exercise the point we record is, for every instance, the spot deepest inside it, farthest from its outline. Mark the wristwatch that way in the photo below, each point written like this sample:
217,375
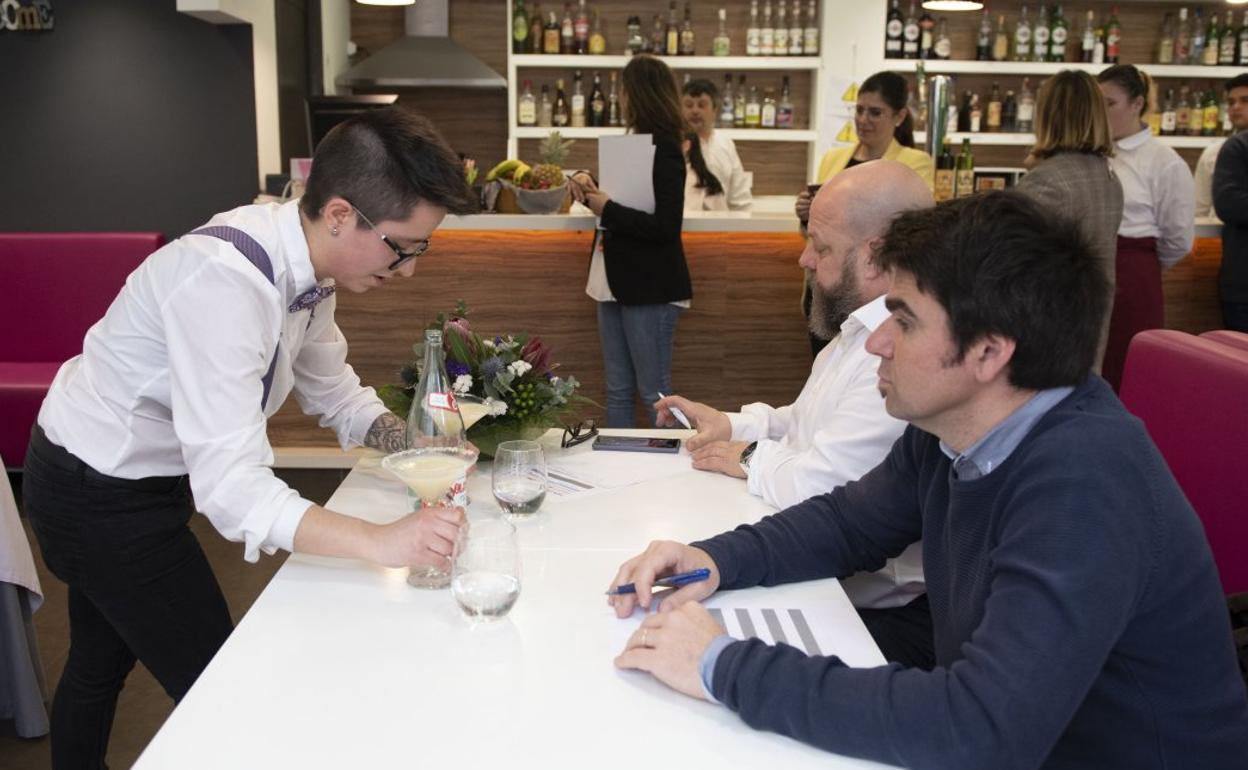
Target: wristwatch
746,454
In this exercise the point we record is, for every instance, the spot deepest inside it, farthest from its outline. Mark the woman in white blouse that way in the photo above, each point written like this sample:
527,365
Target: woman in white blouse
1158,213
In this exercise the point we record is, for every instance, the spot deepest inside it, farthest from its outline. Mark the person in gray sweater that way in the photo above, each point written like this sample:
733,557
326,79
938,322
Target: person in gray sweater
1069,168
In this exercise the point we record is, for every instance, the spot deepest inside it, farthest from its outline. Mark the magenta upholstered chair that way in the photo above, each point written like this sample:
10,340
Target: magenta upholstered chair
1227,337
1192,394
55,286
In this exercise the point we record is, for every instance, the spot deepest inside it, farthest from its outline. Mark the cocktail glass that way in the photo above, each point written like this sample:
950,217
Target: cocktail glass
434,475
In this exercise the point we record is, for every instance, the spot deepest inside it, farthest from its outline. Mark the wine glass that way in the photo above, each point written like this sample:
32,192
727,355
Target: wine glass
436,475
486,569
519,477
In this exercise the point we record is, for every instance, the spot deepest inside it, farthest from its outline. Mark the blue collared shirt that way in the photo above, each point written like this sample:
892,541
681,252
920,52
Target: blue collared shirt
981,458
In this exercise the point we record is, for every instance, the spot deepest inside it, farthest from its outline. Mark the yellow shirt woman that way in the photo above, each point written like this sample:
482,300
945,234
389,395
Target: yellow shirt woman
835,160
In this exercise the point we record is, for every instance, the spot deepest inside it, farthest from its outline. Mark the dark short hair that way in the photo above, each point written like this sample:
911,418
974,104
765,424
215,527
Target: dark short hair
700,87
1239,81
1000,263
384,162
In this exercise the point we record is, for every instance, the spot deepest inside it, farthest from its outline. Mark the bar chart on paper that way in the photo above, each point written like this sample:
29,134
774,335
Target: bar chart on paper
773,626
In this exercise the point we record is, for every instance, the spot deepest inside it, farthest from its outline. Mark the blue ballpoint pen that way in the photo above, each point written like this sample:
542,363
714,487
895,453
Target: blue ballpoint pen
671,581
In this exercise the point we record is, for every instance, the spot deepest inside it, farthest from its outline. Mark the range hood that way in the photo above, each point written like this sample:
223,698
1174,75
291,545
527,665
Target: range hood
425,58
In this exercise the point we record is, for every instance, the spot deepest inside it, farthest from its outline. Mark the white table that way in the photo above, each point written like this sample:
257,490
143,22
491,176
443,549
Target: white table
341,664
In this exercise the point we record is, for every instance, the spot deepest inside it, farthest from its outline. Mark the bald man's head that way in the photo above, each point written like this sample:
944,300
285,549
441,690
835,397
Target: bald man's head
861,202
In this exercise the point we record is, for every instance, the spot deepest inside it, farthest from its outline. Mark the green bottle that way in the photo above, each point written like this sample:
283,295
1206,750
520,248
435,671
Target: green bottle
965,177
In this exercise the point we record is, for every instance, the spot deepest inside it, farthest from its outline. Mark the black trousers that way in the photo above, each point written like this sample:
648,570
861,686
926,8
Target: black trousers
139,588
903,634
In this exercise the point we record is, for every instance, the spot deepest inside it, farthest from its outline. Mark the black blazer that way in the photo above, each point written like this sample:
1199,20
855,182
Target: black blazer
644,257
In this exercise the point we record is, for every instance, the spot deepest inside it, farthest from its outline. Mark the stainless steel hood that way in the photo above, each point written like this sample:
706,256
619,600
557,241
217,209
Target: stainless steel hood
425,58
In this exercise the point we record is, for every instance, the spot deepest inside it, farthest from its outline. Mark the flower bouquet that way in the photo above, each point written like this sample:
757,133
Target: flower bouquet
511,375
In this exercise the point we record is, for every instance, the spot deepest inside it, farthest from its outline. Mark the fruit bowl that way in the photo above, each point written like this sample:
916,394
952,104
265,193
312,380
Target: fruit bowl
539,201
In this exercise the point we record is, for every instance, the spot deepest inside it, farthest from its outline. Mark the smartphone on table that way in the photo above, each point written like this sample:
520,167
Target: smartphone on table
636,444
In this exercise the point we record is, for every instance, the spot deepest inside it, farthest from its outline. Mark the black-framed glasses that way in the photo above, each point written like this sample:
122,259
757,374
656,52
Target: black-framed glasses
403,256
578,434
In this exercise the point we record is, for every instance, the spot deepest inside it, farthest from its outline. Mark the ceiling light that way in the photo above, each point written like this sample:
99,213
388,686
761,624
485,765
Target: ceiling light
960,5
386,2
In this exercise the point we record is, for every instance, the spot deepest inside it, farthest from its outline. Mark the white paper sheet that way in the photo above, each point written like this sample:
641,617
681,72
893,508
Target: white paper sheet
625,170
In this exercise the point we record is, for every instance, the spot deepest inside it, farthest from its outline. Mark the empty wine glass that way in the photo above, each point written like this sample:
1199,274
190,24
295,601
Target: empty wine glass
519,477
485,575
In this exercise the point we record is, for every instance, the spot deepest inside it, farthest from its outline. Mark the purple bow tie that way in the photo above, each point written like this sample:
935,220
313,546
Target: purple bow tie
310,298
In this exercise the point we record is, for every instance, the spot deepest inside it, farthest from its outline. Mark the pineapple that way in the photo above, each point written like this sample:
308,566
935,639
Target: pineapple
549,173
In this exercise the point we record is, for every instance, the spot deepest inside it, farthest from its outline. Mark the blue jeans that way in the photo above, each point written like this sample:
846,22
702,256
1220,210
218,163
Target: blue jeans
637,357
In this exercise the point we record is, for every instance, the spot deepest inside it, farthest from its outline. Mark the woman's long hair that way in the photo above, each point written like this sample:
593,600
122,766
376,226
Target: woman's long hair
653,101
706,180
892,90
1071,117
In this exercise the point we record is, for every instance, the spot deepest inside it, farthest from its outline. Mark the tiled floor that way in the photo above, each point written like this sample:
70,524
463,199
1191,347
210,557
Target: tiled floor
144,706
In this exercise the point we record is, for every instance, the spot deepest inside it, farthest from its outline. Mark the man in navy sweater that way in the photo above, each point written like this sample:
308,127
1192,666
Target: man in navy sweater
1078,617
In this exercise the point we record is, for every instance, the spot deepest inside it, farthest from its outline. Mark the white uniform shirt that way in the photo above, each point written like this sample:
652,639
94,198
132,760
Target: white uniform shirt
169,381
834,432
1158,196
720,154
1203,179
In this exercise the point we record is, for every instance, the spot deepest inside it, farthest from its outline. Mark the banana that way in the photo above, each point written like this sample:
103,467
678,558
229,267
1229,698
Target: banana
502,169
521,170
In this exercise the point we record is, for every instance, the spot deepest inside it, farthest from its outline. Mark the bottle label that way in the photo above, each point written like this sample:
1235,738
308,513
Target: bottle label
965,182
1022,36
1168,122
528,113
1025,112
1059,36
810,41
944,185
894,29
520,29
944,47
1042,37
912,32
443,401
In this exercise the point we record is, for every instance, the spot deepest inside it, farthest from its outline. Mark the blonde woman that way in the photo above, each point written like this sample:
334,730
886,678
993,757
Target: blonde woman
1070,170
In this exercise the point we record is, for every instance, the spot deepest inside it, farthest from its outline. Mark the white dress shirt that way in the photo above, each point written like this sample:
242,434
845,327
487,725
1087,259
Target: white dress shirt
169,380
834,432
720,154
1203,179
1158,196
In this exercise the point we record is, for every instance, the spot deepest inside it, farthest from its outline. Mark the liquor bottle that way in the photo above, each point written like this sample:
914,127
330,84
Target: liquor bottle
1040,36
1059,33
1199,38
919,110
1169,118
767,33
536,31
562,114
545,109
636,42
1226,46
1182,40
519,28
944,174
1224,118
434,419
1087,43
580,29
738,107
943,48
722,45
964,113
810,33
1196,115
526,106
1001,41
1098,48
578,101
1152,119
753,109
983,40
910,35
1182,112
1022,37
671,33
613,105
567,31
598,40
927,35
1026,107
893,28
767,114
964,178
795,29
687,38
780,39
753,35
784,109
1113,36
1210,125
1009,113
550,35
952,116
977,115
993,123
1213,42
1165,43
726,102
597,103
1241,58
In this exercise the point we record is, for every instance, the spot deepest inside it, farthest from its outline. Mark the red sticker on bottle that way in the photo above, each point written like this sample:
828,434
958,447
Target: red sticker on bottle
444,401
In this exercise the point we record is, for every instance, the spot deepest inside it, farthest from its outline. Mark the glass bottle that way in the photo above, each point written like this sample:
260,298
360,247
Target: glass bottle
580,29
1198,39
964,179
738,107
1040,36
993,123
687,44
1182,40
1182,111
614,118
1226,46
597,40
795,29
767,33
944,181
810,32
753,109
1113,37
1213,42
983,40
1209,126
1165,42
1241,58
910,35
519,28
964,113
658,36
578,102
550,35
597,103
927,35
1196,115
1088,42
977,115
753,35
1009,113
784,109
1022,37
781,36
726,102
567,31
671,33
894,27
527,106
1169,118
1058,35
536,30
1001,41
943,48
722,45
1026,107
562,115
767,113
546,109
636,43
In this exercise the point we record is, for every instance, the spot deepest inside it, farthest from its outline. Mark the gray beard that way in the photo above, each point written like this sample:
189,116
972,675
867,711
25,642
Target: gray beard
830,308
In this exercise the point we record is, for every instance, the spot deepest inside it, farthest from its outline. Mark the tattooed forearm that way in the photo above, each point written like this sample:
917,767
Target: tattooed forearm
388,433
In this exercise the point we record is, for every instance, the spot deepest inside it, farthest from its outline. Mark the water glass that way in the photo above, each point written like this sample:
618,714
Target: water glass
485,575
519,477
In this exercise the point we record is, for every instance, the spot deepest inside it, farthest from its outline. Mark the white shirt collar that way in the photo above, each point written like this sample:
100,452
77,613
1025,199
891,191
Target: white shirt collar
295,245
1136,140
869,317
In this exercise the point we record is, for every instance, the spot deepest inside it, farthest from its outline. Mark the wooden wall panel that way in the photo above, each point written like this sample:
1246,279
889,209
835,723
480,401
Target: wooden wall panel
743,340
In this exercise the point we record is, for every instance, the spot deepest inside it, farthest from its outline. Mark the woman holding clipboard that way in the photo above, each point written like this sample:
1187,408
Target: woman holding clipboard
638,274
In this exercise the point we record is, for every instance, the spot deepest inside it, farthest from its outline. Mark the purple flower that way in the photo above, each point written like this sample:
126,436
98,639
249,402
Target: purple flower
536,353
455,369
